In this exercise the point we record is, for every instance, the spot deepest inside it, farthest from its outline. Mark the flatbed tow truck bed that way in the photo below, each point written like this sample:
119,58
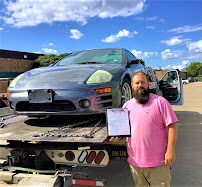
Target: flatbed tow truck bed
84,129
54,148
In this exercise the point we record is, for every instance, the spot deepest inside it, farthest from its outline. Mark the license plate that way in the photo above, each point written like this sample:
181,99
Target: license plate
40,96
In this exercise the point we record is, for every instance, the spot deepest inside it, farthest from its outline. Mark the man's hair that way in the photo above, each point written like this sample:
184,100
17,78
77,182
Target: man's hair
140,72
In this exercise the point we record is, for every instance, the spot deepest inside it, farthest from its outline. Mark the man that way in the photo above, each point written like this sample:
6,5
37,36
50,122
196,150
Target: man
154,131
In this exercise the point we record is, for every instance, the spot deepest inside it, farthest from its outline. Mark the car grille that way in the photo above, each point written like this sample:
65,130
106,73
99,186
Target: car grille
104,101
55,106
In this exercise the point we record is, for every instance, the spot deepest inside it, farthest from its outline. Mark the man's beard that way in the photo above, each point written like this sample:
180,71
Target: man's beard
142,96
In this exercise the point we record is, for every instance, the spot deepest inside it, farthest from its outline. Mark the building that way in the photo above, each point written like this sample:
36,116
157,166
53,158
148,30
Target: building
13,63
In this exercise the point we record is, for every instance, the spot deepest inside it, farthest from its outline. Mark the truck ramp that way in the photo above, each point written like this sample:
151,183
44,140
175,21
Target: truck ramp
85,129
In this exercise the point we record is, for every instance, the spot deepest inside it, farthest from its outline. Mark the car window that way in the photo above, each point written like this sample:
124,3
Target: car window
108,56
170,77
129,55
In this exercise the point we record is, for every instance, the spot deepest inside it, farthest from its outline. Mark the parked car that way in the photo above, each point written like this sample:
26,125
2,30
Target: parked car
185,81
84,82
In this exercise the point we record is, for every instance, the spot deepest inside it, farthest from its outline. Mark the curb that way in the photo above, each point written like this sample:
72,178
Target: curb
5,111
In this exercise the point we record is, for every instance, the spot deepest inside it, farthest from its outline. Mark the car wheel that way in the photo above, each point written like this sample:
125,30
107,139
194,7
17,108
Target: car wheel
184,83
126,91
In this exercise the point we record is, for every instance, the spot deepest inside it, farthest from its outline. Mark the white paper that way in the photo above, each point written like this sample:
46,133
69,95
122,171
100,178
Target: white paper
118,122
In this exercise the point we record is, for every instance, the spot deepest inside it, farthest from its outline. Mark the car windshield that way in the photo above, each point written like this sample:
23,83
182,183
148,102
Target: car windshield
104,56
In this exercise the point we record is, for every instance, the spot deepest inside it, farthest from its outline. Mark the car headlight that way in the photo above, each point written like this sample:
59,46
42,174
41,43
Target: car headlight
99,76
14,82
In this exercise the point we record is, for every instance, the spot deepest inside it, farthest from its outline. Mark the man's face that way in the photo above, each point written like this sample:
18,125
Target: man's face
140,86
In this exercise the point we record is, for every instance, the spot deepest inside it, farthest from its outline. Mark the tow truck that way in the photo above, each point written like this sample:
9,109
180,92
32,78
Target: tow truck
52,151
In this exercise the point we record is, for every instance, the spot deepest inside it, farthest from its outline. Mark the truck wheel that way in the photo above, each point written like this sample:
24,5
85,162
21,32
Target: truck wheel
126,91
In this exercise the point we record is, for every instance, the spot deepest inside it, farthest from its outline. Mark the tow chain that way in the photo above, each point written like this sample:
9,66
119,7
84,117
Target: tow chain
2,119
55,132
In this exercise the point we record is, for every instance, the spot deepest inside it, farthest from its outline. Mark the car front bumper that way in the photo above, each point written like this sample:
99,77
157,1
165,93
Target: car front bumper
65,102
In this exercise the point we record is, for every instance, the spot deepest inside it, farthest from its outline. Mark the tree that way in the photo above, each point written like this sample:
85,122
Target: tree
46,60
194,69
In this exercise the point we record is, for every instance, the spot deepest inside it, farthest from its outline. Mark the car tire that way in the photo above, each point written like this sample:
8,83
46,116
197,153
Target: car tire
126,91
184,83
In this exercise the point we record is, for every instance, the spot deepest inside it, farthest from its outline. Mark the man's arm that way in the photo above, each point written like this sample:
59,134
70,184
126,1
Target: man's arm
172,140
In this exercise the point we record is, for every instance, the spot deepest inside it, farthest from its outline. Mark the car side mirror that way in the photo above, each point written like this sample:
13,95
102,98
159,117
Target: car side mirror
133,61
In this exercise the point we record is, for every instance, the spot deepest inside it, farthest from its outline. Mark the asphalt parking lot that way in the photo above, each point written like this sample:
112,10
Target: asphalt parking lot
187,171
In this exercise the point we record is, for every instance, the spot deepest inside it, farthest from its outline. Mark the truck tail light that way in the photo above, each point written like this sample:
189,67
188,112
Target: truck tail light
99,157
83,156
69,155
91,157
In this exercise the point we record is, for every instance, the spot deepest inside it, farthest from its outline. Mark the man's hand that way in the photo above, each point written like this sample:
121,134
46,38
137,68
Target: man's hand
169,158
172,140
116,139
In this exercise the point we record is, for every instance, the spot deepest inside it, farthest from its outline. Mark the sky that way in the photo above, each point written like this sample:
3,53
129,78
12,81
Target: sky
166,34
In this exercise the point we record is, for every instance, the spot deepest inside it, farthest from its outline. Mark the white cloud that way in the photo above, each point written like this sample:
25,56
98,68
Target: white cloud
187,28
180,67
114,38
168,67
142,55
175,41
49,51
51,44
152,18
124,33
111,39
195,56
183,64
168,54
150,27
22,13
1,28
195,46
76,34
162,20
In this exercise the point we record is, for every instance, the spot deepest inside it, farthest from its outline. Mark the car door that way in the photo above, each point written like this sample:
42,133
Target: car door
171,87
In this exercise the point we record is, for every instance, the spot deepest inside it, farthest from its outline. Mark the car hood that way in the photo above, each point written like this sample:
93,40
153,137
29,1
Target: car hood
73,75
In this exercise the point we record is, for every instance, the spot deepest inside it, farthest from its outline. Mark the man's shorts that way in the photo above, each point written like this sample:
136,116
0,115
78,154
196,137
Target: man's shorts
159,176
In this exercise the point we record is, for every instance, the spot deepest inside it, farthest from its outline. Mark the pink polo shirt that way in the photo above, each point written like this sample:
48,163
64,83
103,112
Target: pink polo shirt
149,131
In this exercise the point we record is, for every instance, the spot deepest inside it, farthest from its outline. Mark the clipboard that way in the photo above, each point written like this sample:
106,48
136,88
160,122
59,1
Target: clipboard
118,124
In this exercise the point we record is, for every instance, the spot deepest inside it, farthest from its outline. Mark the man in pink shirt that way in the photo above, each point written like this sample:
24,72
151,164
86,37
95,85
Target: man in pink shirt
154,131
